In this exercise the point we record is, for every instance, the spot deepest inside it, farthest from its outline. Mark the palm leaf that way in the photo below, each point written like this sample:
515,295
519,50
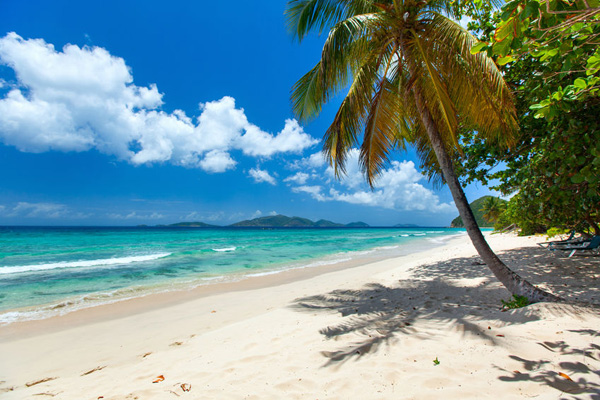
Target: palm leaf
343,133
476,86
304,16
434,88
308,94
379,137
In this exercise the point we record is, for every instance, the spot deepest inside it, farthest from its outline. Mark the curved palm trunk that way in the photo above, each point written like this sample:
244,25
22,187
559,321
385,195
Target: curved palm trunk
511,280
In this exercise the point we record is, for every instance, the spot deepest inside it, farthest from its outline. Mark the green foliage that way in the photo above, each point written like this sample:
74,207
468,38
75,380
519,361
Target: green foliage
561,35
555,232
555,164
492,208
436,361
555,169
516,302
478,207
385,55
524,213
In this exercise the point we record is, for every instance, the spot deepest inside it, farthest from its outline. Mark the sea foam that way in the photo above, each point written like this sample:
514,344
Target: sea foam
81,263
225,249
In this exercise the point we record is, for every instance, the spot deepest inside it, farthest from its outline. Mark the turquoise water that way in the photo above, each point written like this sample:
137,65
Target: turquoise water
49,271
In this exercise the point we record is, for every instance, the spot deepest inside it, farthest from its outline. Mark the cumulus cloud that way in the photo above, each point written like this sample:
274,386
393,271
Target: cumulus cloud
83,97
299,178
314,161
396,188
217,161
314,191
291,139
260,175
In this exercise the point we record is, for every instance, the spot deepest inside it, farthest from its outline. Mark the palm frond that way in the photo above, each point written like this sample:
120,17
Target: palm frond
304,16
379,135
454,87
345,48
308,94
343,133
432,86
476,86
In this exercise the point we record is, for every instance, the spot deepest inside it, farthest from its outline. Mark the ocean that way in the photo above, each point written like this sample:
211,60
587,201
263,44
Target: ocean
48,271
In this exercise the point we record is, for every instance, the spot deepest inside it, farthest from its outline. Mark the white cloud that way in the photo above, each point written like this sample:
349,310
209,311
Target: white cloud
136,216
314,191
193,216
217,161
196,216
291,139
396,188
314,161
214,216
354,177
260,175
83,98
256,214
299,178
38,210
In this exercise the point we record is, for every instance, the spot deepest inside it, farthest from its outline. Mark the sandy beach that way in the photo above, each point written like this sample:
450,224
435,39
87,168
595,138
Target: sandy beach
362,332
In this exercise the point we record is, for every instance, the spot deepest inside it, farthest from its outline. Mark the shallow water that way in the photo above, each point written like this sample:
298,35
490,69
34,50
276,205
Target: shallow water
49,271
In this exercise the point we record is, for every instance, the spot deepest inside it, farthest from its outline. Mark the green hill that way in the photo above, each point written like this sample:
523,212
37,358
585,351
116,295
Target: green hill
323,223
358,224
476,207
275,221
282,221
192,225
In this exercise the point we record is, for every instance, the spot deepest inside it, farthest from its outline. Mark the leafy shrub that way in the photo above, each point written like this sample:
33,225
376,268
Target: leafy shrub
516,302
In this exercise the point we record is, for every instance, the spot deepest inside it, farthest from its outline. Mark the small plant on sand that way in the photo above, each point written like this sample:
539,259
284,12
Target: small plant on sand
516,302
436,361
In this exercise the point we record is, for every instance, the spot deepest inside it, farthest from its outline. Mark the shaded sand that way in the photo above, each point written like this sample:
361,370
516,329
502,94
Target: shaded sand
364,332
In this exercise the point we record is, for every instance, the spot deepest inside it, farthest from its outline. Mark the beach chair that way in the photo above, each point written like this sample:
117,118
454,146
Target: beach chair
589,245
569,240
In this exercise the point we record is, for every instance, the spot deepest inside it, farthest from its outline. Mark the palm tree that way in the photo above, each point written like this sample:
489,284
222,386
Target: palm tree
492,208
411,78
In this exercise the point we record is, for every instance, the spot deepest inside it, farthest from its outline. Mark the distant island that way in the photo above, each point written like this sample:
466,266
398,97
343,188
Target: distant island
275,221
282,221
406,226
193,225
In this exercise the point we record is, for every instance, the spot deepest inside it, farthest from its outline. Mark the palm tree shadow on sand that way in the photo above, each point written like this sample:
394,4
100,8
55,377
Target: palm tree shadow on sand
533,370
378,315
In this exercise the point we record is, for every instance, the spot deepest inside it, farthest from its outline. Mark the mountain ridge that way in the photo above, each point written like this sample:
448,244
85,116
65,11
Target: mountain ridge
283,221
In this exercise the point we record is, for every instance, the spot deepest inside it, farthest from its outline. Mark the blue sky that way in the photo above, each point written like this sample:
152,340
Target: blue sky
153,112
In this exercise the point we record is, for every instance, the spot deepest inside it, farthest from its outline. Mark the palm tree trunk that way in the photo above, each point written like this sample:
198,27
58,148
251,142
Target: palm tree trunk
511,280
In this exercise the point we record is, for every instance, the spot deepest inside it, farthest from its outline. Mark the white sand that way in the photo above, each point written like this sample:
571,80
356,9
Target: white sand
367,332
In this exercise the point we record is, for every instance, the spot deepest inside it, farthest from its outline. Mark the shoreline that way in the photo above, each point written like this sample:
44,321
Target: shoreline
164,299
167,293
368,331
